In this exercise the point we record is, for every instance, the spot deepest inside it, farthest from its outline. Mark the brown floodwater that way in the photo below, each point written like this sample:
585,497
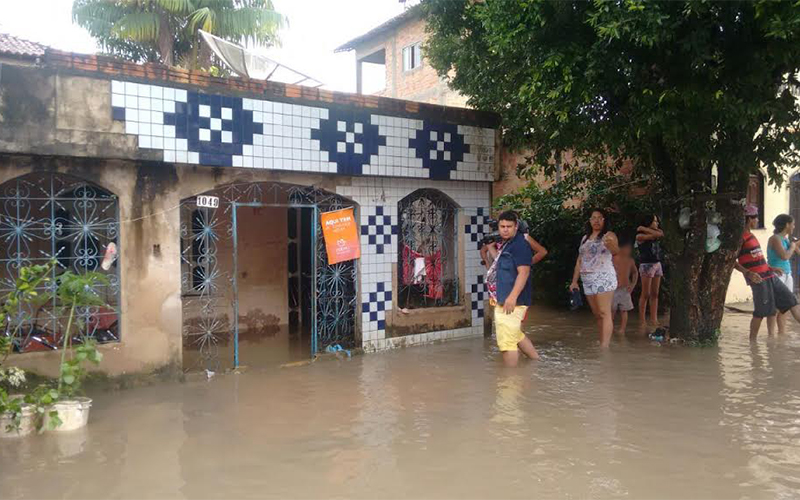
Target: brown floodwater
448,421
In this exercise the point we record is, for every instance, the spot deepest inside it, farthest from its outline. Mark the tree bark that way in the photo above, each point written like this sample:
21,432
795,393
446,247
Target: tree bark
699,280
165,41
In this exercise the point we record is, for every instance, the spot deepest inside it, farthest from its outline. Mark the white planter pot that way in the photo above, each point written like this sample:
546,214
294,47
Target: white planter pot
74,414
26,425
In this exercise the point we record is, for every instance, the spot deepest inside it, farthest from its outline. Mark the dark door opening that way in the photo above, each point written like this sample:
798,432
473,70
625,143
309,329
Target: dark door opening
273,271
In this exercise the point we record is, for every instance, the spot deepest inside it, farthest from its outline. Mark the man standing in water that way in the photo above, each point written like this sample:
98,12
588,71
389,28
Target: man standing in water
510,290
770,295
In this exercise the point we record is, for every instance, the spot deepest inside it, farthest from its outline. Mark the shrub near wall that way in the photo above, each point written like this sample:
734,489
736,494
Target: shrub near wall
557,216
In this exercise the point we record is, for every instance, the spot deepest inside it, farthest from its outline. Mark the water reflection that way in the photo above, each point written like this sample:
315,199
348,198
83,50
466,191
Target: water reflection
444,421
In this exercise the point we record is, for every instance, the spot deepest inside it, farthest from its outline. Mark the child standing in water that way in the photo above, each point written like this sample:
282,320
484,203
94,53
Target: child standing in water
627,277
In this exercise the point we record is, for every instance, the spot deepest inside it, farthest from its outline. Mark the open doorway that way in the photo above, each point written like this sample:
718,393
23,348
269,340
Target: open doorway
273,284
256,286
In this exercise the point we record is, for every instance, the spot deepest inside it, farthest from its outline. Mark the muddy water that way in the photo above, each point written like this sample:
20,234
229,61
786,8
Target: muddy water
447,421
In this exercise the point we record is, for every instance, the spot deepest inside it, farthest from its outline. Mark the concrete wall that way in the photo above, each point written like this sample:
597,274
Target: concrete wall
150,257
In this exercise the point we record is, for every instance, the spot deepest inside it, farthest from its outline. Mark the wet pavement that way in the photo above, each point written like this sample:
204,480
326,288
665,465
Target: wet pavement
448,421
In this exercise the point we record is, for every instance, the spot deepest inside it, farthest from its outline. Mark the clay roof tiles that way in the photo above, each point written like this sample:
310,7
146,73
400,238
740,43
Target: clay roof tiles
19,47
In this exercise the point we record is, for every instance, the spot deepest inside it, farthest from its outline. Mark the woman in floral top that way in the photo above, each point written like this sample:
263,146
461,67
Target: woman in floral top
595,268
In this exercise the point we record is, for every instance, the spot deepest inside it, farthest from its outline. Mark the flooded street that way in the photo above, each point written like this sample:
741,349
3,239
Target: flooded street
448,421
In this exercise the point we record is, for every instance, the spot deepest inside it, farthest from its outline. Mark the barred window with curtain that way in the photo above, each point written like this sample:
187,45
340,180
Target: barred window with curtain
428,250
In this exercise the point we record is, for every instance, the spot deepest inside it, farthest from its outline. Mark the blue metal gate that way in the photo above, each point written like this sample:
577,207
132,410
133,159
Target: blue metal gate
209,239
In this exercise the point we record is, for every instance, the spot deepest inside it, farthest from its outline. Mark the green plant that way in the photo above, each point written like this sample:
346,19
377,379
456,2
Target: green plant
13,309
77,291
166,31
557,215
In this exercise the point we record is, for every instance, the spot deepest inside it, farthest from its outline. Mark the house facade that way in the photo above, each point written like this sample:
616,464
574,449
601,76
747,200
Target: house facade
200,200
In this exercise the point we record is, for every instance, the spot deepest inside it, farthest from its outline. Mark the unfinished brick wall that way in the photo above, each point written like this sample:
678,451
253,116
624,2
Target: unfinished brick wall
421,84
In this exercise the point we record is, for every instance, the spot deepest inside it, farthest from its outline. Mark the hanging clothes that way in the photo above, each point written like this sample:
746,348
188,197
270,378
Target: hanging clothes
419,269
413,264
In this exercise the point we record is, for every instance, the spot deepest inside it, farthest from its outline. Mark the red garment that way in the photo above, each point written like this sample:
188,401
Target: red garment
752,258
409,256
433,271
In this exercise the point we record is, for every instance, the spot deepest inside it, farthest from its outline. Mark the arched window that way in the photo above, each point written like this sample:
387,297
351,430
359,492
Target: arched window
755,195
428,250
50,216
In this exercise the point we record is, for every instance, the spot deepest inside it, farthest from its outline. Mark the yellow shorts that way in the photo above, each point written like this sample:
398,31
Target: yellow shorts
509,327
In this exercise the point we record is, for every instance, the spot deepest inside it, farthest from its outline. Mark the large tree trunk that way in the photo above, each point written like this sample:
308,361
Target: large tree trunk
699,280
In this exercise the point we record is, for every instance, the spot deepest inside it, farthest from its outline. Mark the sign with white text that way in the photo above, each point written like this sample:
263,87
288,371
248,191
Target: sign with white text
341,236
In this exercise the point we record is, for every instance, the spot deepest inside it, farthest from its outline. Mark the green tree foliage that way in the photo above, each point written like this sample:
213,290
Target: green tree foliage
558,214
675,87
166,31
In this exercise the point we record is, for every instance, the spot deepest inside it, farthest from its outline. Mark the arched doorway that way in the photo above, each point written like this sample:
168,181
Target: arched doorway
256,285
48,216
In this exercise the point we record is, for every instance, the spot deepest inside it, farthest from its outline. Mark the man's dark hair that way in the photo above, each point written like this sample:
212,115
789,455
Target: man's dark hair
509,215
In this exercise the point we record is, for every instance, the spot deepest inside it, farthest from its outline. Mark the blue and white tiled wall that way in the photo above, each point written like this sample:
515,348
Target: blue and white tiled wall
216,130
378,200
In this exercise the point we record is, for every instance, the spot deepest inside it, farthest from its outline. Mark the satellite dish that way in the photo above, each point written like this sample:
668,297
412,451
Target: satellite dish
245,63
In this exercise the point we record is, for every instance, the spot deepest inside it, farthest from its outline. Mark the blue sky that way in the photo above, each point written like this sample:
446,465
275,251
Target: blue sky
316,28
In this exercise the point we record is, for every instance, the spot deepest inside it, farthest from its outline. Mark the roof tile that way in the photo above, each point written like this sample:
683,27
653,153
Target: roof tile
19,47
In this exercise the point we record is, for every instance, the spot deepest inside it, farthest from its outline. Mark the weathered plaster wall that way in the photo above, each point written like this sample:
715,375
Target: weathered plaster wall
54,120
149,249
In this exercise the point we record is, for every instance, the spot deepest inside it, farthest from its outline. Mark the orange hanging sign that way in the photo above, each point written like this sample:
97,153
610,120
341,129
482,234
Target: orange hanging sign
341,235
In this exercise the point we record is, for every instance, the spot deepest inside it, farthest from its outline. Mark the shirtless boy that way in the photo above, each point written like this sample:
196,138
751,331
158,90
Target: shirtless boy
627,277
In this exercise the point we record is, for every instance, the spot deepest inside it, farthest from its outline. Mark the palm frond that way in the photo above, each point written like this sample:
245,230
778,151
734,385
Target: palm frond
204,19
93,14
176,7
138,26
250,25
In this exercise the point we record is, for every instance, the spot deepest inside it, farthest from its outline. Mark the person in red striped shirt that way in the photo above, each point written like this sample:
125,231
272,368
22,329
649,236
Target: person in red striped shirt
770,295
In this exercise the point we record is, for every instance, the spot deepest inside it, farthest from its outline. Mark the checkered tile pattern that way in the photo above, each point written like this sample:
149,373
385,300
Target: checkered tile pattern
477,227
478,295
377,225
378,199
376,300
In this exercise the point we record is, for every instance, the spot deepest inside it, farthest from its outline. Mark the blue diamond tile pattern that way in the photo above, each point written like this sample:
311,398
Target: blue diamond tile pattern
477,227
228,131
378,230
350,140
440,147
373,309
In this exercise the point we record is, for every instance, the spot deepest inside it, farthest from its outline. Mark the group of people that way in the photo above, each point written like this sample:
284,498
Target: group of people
609,274
770,279
605,266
